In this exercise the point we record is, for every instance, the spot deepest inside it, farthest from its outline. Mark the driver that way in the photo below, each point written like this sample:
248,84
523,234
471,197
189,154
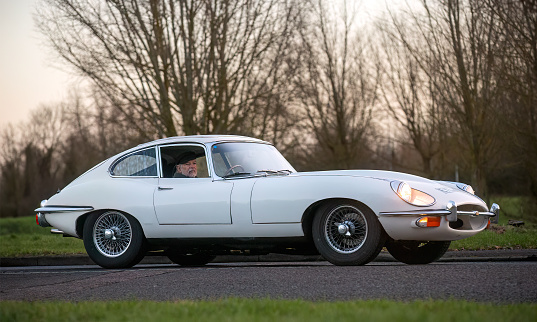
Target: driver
187,166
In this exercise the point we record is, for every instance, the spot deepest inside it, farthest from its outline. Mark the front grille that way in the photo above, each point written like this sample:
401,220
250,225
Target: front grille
471,208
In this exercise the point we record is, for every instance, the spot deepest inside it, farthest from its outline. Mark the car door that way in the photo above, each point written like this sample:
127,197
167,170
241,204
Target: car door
191,201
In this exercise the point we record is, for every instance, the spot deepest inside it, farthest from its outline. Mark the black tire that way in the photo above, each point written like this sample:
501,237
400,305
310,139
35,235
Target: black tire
347,233
198,259
114,239
417,252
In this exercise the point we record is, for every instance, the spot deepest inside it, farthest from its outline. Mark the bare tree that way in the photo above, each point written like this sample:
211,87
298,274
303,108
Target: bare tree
518,80
410,97
335,87
458,55
187,66
28,166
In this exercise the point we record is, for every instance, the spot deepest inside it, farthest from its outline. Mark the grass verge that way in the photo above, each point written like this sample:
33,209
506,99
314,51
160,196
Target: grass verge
23,237
499,237
266,310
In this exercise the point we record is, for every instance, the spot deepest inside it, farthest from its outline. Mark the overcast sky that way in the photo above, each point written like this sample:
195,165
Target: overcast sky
27,78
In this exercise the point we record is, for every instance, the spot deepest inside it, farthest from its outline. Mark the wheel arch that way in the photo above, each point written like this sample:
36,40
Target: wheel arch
309,213
81,220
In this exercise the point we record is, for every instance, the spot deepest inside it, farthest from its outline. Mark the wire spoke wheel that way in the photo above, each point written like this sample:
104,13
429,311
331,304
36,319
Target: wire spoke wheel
345,229
346,232
112,234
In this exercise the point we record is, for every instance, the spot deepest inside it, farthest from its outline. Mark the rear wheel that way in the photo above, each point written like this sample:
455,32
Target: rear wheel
347,233
417,252
198,259
114,239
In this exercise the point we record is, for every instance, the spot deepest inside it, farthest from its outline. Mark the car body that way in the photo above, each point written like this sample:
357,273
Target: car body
246,198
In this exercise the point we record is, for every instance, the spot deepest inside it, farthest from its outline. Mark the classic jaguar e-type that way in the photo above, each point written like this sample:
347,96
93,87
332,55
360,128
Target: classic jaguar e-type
194,197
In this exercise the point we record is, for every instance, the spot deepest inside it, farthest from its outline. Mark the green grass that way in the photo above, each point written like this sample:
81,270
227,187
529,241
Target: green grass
266,310
499,237
517,208
23,237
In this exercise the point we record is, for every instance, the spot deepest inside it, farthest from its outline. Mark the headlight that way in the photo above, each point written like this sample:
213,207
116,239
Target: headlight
412,196
466,187
404,191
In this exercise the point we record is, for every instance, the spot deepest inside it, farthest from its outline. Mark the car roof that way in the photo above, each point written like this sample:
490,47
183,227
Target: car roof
204,139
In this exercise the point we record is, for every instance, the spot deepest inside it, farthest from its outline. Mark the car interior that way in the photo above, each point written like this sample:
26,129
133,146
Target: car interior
170,155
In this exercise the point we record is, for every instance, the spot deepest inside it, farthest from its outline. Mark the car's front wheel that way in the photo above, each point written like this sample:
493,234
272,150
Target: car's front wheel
114,239
417,252
347,233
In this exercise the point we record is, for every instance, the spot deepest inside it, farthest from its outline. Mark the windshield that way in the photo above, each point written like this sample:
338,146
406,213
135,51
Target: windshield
235,159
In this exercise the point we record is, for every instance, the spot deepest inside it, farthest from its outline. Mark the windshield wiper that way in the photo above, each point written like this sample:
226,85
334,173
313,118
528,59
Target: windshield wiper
268,171
285,171
236,174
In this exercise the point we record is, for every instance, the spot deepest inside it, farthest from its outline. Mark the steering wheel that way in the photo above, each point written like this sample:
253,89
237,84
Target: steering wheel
232,168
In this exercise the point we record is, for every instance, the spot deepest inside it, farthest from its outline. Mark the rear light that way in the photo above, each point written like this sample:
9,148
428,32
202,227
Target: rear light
425,222
41,220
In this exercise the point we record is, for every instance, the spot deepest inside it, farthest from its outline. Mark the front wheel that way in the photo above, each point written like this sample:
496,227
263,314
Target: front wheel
347,233
114,239
417,252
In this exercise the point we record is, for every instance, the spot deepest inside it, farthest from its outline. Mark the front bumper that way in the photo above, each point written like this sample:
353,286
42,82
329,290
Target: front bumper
458,222
451,213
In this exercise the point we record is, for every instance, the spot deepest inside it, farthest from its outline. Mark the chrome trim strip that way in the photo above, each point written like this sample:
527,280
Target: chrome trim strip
56,231
437,213
50,209
416,213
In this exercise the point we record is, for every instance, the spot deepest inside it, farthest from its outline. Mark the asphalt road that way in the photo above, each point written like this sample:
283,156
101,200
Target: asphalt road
498,282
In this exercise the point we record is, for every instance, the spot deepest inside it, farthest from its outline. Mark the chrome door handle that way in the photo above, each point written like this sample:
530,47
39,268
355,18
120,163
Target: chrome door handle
165,188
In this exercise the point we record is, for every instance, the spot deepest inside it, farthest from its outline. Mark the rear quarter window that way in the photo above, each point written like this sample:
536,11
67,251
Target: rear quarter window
138,164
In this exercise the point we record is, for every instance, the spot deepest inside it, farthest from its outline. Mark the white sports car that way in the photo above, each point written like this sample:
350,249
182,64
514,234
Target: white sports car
191,198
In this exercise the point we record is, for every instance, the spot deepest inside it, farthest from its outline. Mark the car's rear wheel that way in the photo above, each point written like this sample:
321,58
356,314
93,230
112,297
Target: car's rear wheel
417,252
114,239
198,259
347,233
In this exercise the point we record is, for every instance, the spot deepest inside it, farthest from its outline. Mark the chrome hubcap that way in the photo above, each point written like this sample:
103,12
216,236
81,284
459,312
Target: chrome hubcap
345,229
112,234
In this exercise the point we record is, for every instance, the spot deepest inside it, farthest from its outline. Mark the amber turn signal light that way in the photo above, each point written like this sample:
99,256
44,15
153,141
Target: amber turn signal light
428,222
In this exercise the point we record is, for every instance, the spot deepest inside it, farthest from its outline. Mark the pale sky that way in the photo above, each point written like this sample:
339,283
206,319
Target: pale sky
27,75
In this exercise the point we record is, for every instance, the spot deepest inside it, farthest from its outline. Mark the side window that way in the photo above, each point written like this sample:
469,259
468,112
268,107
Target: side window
183,161
139,164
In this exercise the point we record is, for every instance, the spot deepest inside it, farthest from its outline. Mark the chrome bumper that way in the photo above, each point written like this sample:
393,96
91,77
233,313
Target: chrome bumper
450,212
51,209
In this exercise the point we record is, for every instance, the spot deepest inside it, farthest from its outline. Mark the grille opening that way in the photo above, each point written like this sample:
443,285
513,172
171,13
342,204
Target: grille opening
471,208
456,224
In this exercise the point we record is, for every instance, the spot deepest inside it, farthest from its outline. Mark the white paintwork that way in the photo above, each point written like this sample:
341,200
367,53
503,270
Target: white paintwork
186,201
271,206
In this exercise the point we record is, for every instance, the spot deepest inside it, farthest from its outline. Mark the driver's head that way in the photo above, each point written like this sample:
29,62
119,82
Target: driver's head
187,165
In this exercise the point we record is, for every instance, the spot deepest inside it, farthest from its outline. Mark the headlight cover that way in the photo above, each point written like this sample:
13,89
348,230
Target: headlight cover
412,196
466,187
